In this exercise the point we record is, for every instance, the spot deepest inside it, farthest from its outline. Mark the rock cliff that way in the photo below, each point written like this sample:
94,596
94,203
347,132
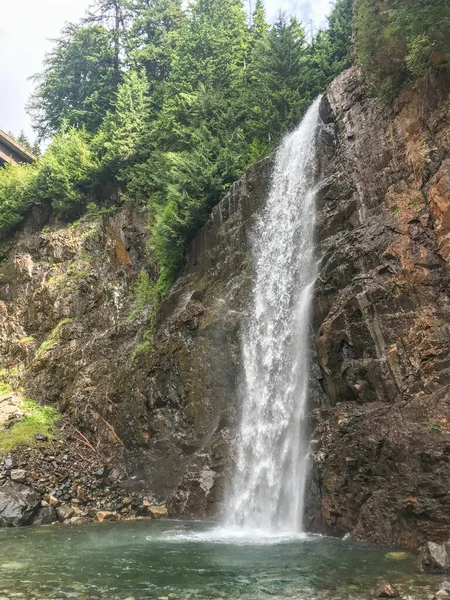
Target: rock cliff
382,315
160,393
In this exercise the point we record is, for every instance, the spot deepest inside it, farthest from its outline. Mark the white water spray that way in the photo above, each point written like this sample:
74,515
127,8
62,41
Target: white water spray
271,470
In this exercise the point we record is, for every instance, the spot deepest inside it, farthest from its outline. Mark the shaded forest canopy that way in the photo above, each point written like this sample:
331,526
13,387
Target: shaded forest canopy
168,106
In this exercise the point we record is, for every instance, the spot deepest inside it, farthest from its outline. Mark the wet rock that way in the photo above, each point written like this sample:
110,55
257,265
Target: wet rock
64,512
18,504
40,437
445,585
386,590
158,512
380,390
18,475
106,515
434,558
45,516
442,595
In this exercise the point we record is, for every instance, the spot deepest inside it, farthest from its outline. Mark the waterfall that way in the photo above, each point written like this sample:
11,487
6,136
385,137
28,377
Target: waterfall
268,488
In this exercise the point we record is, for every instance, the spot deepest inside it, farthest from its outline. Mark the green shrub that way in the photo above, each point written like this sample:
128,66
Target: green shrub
5,388
145,290
52,339
66,172
16,195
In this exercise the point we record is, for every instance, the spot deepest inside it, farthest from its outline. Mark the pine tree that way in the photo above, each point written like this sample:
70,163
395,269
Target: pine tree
122,134
78,83
152,37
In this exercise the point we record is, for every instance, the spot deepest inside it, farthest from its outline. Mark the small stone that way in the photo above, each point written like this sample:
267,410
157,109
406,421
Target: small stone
18,475
386,590
115,474
52,500
64,512
40,437
8,463
106,515
163,598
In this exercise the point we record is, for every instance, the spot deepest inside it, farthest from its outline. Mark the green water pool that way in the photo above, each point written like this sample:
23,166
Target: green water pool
180,560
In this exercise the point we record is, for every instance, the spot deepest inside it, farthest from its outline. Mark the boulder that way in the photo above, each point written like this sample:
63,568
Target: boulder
441,595
18,475
106,515
18,505
434,558
64,512
45,516
445,585
386,590
157,512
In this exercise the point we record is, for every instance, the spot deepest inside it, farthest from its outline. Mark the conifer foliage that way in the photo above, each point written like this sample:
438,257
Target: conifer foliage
170,103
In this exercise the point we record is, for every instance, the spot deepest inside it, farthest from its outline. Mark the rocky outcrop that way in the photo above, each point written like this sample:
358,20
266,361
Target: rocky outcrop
18,505
382,315
157,397
159,393
435,558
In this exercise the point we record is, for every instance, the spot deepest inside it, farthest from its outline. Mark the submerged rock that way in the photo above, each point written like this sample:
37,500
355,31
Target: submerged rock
396,555
386,590
435,558
18,504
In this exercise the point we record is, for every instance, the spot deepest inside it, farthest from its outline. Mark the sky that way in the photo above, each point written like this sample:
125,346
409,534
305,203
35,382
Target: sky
26,30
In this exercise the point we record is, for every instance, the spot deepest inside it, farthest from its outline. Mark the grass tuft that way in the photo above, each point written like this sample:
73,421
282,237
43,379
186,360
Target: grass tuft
37,419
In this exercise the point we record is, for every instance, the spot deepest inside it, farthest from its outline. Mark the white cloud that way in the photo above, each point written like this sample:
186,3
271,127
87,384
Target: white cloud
313,11
26,26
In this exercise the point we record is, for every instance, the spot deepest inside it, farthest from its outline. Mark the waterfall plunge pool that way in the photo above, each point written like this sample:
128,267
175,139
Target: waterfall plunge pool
181,560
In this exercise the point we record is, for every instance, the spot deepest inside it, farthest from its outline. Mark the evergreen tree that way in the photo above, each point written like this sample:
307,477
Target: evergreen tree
276,80
78,83
152,38
121,136
401,40
112,16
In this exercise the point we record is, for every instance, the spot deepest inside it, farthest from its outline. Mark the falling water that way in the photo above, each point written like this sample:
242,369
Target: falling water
268,488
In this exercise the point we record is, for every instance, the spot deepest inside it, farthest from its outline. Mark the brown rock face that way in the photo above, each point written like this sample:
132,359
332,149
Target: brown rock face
381,362
382,316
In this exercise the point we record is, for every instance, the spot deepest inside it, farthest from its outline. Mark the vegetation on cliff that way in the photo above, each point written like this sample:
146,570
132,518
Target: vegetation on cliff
169,105
401,40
